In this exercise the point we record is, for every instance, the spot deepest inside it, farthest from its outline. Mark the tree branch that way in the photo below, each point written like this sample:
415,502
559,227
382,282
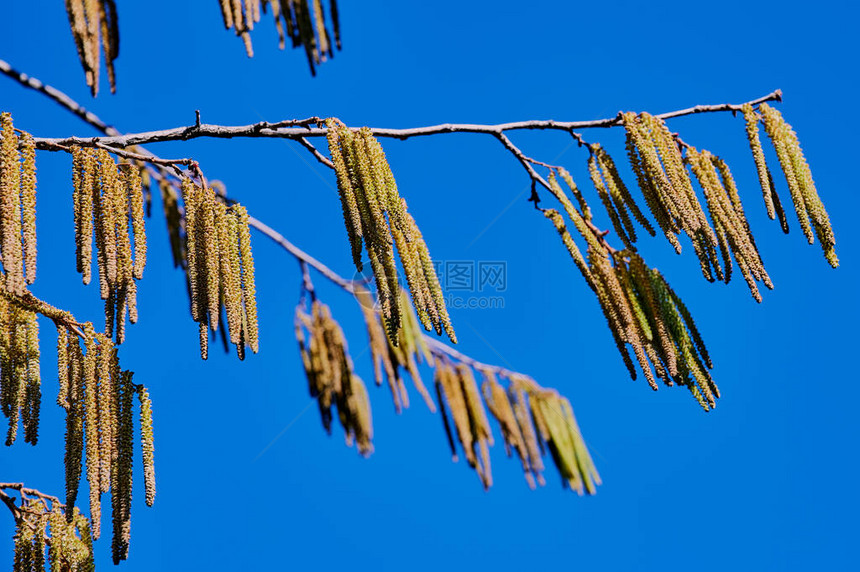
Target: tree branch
297,129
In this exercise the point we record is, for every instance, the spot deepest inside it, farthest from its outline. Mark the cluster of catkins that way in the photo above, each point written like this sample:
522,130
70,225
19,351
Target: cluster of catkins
409,351
532,419
663,179
376,215
220,267
305,24
66,535
331,378
20,378
98,398
17,206
727,213
94,27
641,309
807,204
108,204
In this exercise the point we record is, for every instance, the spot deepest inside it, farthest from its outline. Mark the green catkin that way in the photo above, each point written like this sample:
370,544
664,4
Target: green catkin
557,221
28,205
121,486
568,180
614,215
618,189
446,423
640,276
579,220
147,444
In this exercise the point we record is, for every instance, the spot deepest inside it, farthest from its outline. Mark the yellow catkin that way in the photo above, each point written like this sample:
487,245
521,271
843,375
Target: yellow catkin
231,268
777,131
106,218
349,205
204,340
208,254
88,191
189,196
106,412
91,426
650,175
751,119
249,289
134,190
94,27
227,13
63,366
147,444
808,204
10,206
368,193
28,204
557,221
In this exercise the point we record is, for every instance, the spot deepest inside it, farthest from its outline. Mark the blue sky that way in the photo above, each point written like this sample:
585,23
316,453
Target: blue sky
766,481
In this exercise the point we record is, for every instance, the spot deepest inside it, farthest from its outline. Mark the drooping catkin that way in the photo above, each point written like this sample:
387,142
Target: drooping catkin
376,215
108,198
33,391
728,217
134,189
10,207
121,483
94,28
220,267
810,210
557,221
147,444
20,372
75,414
28,204
331,376
91,425
305,20
751,119
249,289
